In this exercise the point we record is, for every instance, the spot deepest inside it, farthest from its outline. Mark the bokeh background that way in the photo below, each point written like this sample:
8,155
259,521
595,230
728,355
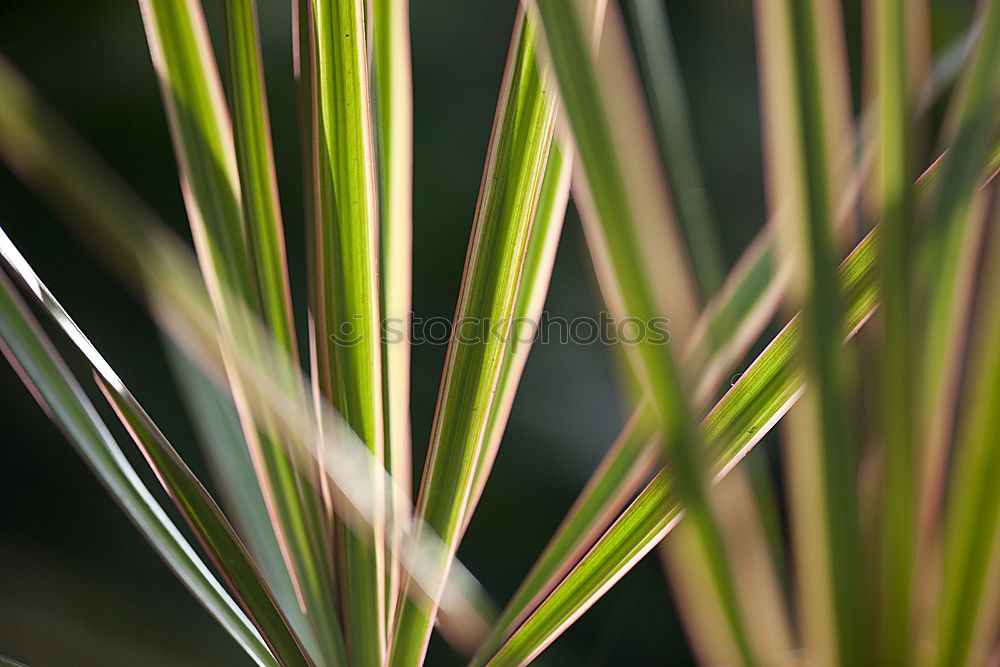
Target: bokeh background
78,584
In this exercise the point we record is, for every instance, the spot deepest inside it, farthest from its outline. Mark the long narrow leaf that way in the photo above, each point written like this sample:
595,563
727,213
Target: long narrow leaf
546,230
255,159
652,365
725,330
668,99
48,378
347,334
538,262
798,93
209,525
512,182
217,425
751,408
149,259
623,470
206,154
198,508
392,114
967,616
950,234
899,513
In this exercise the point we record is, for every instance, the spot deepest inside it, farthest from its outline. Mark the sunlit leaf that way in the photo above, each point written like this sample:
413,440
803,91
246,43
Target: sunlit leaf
48,378
511,186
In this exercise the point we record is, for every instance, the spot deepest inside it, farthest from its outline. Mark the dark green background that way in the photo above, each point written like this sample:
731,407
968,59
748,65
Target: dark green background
78,585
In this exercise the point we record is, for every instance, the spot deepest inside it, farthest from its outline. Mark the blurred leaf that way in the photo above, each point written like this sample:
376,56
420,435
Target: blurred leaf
221,436
966,612
803,149
751,408
730,323
943,265
894,192
624,237
668,100
54,387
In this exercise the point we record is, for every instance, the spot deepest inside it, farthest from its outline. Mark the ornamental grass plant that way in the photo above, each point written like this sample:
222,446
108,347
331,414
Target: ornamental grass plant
322,539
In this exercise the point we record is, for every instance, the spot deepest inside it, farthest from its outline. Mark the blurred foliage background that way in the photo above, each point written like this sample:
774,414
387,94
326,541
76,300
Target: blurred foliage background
68,598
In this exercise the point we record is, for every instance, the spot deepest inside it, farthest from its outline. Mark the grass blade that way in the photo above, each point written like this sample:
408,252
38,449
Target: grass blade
621,88
803,183
197,507
48,378
539,259
255,159
392,123
652,365
266,246
895,194
949,236
206,154
211,527
347,335
543,243
217,425
161,269
622,471
347,461
751,408
203,142
512,181
668,100
970,545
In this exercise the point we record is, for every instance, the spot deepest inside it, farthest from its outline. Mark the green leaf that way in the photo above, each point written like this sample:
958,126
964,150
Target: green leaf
751,408
943,265
972,527
197,507
652,364
149,259
797,94
266,247
205,149
218,427
203,140
255,158
392,116
539,259
623,470
512,181
209,525
895,195
546,229
57,391
668,99
347,325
